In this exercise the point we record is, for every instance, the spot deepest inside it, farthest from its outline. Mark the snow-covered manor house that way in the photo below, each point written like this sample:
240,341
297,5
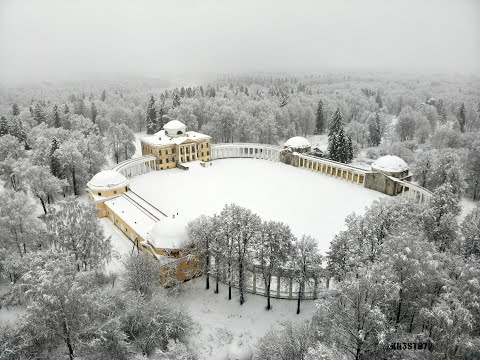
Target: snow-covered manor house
175,145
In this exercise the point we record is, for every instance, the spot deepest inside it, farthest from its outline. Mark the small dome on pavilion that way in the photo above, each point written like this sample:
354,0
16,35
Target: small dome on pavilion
106,180
390,164
174,128
297,142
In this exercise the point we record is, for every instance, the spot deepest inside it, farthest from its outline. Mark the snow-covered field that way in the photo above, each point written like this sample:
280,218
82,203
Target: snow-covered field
311,203
219,321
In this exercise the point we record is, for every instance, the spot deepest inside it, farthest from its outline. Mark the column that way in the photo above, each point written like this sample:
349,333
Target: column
279,276
290,286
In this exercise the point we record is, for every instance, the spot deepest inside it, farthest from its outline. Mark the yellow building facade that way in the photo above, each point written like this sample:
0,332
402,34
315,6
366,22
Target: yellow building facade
175,145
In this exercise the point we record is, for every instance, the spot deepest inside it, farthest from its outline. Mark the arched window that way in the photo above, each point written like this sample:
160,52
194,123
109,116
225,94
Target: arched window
179,132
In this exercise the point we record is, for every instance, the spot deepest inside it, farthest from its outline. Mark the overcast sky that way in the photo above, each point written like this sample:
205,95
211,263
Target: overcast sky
59,39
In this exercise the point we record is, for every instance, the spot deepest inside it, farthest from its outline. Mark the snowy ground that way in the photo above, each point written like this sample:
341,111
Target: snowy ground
311,203
219,321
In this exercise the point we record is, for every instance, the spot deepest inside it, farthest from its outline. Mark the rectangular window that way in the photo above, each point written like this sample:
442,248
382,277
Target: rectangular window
208,153
207,145
160,152
173,150
160,161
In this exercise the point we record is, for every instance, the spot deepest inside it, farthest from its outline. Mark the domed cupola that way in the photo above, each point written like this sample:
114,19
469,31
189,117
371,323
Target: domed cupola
298,144
107,183
175,128
391,165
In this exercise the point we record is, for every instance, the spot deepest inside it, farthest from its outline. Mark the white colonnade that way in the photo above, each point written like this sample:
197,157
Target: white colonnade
136,166
240,150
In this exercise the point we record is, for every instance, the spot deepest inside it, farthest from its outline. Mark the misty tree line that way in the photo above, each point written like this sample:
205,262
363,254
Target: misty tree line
236,240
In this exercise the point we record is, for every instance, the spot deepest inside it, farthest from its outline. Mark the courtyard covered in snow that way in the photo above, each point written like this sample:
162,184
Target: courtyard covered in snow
311,203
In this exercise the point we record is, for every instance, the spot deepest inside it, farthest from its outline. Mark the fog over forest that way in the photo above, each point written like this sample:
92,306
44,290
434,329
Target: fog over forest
57,39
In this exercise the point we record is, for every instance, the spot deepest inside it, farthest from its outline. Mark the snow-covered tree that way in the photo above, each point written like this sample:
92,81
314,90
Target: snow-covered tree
4,129
447,169
272,247
93,112
319,119
39,113
155,328
306,260
57,120
293,342
423,165
245,228
200,233
439,218
151,116
42,184
375,130
141,273
471,233
122,142
473,171
339,145
77,231
461,117
20,228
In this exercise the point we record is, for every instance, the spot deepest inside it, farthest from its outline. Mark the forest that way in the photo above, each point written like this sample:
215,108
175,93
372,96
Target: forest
405,273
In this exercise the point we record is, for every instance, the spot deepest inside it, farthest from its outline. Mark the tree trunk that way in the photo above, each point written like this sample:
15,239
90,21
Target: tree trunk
267,288
74,182
207,272
299,299
43,205
240,282
68,341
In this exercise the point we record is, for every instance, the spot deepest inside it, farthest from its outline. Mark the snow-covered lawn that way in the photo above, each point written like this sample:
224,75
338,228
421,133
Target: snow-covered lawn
311,203
219,321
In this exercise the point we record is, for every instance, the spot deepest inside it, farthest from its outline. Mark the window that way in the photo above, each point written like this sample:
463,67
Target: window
201,146
126,188
114,191
160,152
207,145
208,153
99,194
173,150
160,161
179,132
193,148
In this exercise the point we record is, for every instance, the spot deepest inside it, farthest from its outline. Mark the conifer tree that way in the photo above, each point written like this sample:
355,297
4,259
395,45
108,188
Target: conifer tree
66,109
57,122
39,114
375,131
15,110
462,117
93,111
176,100
340,145
79,107
55,166
320,119
441,111
378,100
151,116
103,97
3,126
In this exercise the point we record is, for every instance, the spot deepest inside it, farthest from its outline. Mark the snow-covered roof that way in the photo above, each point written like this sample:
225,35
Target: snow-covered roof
160,139
107,179
174,125
169,233
297,142
390,163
